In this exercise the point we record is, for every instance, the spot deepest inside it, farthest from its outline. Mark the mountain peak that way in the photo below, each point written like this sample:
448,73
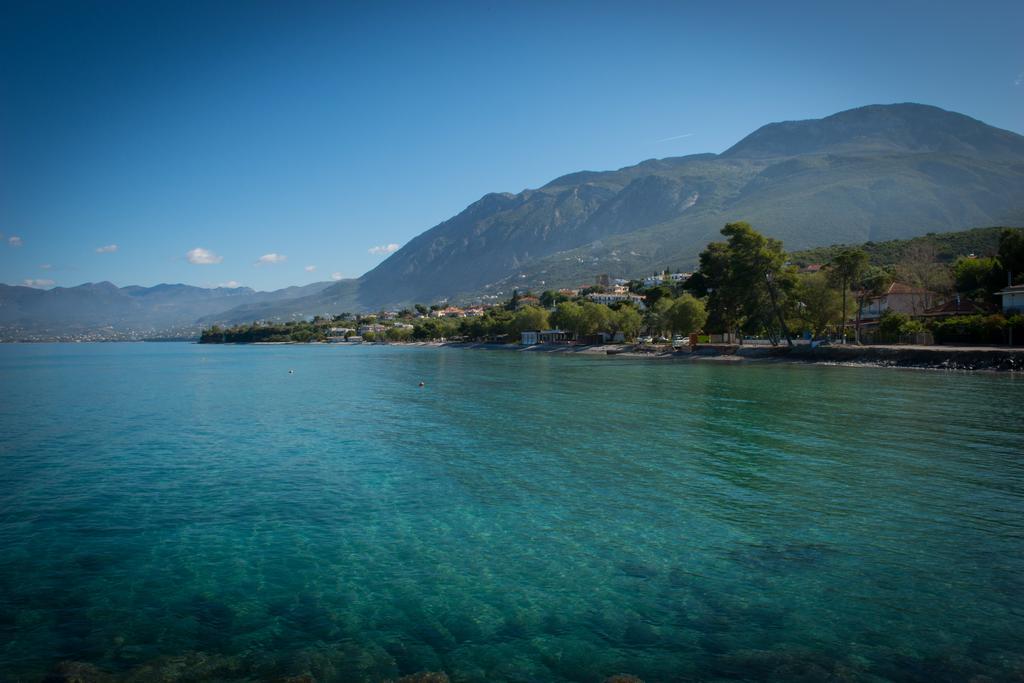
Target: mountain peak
881,128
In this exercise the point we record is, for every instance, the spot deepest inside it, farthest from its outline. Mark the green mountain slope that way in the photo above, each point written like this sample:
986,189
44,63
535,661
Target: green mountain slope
869,174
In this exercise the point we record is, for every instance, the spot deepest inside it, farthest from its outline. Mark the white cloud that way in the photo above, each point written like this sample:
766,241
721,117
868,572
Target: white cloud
203,257
45,266
310,269
30,282
109,249
230,284
14,241
271,258
337,276
383,248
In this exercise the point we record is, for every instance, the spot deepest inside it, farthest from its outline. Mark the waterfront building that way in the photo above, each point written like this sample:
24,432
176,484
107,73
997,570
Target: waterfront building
899,298
1013,299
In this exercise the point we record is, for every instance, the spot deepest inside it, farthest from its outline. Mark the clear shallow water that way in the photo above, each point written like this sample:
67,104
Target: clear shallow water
197,512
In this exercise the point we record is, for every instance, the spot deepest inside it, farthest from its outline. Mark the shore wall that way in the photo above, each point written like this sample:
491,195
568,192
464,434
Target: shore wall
938,357
931,357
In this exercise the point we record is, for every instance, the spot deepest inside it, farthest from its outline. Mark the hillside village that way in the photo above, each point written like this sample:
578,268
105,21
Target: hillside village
748,290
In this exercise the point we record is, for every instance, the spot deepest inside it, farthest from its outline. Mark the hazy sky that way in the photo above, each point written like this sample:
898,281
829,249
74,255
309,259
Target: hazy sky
216,142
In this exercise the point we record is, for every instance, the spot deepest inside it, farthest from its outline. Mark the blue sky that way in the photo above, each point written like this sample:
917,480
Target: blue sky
277,136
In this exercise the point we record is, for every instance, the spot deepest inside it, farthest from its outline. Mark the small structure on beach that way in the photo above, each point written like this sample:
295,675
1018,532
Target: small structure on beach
529,337
554,336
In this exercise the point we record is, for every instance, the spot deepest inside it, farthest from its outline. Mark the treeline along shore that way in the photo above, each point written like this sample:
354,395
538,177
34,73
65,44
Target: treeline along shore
922,306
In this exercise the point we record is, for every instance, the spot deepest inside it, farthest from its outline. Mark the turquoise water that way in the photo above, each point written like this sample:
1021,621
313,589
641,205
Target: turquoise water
175,511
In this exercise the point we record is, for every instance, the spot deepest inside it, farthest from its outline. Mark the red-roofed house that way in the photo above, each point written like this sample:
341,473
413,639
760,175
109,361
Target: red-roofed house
954,307
899,298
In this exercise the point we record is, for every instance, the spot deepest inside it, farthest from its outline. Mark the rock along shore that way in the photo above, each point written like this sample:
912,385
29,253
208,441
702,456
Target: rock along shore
1005,359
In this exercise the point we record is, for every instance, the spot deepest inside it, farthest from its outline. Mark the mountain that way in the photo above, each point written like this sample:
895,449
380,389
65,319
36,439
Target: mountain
896,128
868,174
874,173
105,310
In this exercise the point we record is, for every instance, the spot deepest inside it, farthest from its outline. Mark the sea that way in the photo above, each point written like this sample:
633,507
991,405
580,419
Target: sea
175,511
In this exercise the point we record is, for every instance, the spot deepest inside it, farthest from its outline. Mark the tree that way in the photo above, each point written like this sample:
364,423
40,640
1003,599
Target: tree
568,316
550,298
745,276
628,321
397,334
844,269
1011,254
873,282
421,309
596,317
529,318
713,280
656,293
659,316
686,314
920,267
979,278
818,303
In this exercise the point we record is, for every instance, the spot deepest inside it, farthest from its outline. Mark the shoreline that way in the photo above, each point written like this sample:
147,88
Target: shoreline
991,359
964,358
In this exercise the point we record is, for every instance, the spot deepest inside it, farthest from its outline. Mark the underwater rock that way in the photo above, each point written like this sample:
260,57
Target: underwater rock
680,578
938,668
638,570
517,625
413,655
623,678
575,659
190,666
781,557
640,633
367,661
77,672
424,677
556,624
429,630
320,664
785,664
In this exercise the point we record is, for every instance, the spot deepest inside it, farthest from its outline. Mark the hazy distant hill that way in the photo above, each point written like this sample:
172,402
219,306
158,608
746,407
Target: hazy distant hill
874,173
27,313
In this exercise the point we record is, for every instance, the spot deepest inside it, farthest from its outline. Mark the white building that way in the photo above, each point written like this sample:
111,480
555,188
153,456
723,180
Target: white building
1013,299
609,298
375,328
899,298
653,280
680,277
529,338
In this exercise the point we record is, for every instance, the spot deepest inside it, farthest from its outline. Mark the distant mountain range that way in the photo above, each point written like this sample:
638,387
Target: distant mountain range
874,173
103,310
